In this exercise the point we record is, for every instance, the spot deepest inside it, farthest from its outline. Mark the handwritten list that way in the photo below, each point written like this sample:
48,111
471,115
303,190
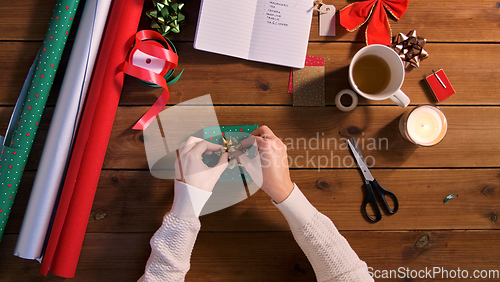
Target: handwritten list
269,31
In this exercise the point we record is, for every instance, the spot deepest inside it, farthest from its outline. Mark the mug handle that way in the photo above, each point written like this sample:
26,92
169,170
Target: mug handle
399,98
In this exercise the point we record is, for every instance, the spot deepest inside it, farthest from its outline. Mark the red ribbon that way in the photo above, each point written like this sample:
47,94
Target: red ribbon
147,41
378,30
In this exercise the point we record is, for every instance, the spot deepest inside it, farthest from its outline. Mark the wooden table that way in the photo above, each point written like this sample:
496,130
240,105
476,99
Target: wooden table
251,240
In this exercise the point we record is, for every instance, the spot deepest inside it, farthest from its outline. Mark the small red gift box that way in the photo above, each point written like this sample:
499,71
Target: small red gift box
440,85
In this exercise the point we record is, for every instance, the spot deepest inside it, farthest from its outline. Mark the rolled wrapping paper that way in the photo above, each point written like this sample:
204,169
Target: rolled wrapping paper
14,118
354,98
14,154
62,130
68,229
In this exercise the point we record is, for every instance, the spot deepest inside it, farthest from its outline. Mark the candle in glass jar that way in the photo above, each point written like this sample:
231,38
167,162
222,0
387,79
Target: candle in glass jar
424,125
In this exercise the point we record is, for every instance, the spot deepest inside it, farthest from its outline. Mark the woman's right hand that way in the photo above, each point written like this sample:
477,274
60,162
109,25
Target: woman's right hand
275,175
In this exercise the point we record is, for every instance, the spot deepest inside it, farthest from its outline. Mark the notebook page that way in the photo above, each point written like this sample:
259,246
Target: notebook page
225,27
281,32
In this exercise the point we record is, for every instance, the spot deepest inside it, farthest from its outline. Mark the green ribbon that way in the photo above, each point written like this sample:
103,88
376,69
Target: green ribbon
166,17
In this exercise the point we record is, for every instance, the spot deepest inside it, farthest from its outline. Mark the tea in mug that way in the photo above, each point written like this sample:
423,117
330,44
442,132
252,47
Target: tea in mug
371,74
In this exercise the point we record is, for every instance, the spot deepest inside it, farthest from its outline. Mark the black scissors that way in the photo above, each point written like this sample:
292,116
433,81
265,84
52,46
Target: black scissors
371,184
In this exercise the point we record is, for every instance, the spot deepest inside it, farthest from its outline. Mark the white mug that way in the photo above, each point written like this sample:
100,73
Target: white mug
393,89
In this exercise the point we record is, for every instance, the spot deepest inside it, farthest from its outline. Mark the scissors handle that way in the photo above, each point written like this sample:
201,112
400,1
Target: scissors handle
370,200
382,193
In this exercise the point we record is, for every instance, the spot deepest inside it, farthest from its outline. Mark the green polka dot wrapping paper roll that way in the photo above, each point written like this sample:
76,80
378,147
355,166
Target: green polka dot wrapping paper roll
19,141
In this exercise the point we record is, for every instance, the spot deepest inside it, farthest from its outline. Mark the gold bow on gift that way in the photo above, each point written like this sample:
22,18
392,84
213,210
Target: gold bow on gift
410,48
166,17
231,145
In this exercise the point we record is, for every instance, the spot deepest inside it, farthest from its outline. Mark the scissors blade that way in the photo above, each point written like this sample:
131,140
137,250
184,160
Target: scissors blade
355,144
359,159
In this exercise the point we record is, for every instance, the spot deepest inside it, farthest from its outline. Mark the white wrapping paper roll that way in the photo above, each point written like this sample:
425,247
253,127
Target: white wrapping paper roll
62,130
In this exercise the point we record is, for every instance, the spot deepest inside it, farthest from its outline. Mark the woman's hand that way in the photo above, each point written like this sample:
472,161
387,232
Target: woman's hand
275,175
190,168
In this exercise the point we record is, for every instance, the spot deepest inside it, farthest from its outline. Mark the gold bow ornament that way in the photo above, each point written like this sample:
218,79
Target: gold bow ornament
230,146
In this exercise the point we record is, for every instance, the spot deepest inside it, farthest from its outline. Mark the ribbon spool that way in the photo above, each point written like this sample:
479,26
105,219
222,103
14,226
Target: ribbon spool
354,98
152,60
169,73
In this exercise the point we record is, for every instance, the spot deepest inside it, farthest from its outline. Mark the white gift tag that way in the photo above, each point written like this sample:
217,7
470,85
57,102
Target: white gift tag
327,20
148,62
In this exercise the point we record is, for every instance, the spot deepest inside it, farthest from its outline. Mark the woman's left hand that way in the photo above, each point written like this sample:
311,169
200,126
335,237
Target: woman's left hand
190,168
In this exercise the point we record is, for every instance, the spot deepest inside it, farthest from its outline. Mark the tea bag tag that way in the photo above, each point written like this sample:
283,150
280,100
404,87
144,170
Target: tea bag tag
327,20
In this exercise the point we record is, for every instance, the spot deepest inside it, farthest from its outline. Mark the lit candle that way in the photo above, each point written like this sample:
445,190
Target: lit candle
425,125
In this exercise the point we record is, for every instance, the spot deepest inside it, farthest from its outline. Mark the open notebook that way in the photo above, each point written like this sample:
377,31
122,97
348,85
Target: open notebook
271,31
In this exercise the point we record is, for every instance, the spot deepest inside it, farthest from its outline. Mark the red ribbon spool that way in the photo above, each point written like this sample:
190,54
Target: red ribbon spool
149,43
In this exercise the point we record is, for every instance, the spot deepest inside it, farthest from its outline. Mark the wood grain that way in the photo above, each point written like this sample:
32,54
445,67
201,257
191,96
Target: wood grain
268,256
467,21
376,127
25,20
460,147
134,201
250,241
233,81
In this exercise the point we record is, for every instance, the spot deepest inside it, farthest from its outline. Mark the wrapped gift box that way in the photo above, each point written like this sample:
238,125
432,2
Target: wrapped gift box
214,134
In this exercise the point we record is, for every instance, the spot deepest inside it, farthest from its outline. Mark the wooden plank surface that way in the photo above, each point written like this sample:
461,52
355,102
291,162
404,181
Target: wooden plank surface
270,256
375,126
233,81
250,241
460,148
134,201
466,21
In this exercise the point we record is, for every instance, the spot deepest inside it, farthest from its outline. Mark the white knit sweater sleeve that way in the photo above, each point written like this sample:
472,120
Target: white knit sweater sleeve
329,253
172,244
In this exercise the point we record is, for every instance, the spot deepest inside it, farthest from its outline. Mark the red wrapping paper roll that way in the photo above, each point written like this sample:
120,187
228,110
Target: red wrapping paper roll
68,230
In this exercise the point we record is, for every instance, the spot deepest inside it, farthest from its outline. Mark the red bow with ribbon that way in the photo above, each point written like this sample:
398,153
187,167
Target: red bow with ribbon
149,42
378,30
